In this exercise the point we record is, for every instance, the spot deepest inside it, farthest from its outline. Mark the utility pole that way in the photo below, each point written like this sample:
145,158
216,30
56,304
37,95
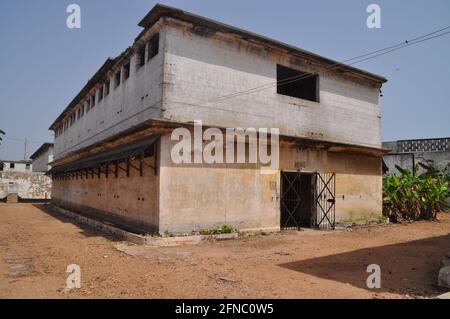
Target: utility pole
1,133
25,149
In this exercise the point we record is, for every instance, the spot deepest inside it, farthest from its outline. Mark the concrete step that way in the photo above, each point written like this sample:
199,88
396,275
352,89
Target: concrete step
12,198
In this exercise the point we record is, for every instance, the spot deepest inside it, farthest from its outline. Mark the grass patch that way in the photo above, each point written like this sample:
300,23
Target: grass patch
364,219
225,229
260,233
168,234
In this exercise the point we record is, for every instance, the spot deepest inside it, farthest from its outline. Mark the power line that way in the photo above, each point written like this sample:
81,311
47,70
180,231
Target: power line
22,140
366,56
302,77
338,65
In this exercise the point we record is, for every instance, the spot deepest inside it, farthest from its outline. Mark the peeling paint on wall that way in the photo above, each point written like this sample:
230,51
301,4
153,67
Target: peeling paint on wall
28,185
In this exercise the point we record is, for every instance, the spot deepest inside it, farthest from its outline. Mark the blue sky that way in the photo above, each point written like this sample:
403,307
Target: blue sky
44,64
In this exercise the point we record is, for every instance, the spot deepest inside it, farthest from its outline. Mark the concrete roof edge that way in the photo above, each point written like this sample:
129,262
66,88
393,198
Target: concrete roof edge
16,161
160,10
41,149
91,82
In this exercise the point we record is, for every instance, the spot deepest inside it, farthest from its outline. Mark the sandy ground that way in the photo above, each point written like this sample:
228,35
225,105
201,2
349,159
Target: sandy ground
36,247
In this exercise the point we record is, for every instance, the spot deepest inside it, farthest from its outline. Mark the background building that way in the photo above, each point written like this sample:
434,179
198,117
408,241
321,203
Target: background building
19,183
16,166
407,153
42,157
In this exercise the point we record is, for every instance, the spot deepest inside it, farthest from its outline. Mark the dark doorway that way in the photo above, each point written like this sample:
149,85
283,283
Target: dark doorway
297,199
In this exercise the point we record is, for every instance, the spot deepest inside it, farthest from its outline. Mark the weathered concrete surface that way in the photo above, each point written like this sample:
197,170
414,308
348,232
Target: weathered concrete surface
129,202
192,197
135,100
202,67
23,166
199,196
155,241
407,153
120,233
43,158
12,198
192,67
29,185
358,178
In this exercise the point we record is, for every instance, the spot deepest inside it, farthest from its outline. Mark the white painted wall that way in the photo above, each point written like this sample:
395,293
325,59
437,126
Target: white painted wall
190,68
40,163
199,68
18,167
135,100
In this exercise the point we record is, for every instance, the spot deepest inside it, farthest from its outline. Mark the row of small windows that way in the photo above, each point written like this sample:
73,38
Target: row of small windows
152,47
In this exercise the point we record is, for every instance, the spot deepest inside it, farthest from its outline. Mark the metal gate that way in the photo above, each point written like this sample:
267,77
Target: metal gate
307,200
325,200
290,200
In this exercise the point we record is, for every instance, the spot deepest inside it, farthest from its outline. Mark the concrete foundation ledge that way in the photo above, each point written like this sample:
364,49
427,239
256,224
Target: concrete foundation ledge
172,241
262,229
120,233
186,240
155,241
361,224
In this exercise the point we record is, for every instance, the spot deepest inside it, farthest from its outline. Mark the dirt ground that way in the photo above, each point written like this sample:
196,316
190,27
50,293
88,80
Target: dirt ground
36,247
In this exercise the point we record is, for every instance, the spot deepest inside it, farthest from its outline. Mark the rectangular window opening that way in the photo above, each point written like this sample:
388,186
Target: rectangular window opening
92,101
100,93
126,71
297,84
153,46
141,56
117,79
106,88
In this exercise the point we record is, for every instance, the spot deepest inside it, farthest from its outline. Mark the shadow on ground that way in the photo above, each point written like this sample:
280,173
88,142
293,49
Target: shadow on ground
86,230
408,268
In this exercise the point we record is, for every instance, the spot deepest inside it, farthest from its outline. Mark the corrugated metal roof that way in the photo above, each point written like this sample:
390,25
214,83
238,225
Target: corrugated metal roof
115,154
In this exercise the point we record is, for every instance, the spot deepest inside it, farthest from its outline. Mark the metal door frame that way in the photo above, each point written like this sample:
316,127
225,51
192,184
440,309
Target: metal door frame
323,214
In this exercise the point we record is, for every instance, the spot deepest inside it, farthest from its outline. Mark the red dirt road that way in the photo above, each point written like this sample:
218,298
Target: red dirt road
36,247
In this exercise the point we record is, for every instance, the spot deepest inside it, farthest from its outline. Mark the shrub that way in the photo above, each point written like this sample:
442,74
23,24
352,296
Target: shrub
412,196
225,229
168,234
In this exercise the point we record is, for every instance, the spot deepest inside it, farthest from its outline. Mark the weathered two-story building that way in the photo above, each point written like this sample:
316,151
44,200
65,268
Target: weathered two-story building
113,142
42,158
